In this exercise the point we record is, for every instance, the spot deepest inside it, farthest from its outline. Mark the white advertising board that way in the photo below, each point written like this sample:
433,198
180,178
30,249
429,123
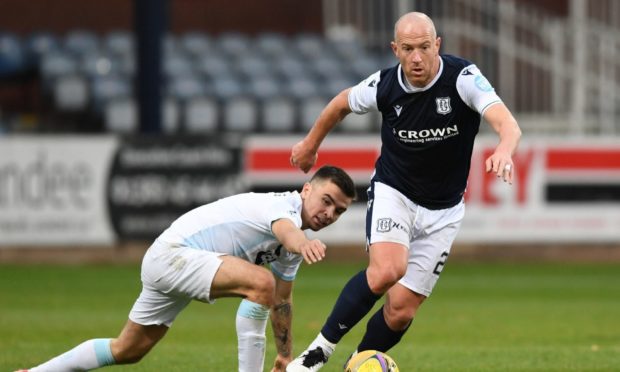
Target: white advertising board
53,190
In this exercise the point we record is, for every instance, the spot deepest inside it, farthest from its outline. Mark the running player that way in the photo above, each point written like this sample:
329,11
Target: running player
431,107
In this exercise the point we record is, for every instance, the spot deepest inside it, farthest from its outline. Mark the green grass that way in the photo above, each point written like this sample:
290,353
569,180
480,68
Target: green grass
482,317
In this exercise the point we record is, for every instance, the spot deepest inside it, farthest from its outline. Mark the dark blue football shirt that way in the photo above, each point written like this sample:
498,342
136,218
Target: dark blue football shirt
427,133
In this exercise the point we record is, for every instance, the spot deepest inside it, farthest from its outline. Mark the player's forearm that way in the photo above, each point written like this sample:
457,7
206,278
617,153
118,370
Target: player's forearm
290,236
281,320
509,135
335,111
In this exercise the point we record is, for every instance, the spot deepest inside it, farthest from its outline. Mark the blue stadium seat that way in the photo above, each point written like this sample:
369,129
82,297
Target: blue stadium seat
240,114
81,42
119,43
196,44
309,110
201,115
233,44
70,93
108,87
185,87
273,45
12,55
41,43
279,115
121,116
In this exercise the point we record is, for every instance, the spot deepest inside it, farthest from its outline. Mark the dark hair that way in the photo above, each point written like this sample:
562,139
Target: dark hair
339,177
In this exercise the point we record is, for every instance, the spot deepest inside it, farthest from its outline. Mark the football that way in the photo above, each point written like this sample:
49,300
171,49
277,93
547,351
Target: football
371,361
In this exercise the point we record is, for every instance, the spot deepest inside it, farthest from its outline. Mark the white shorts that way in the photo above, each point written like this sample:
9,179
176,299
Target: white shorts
427,233
172,276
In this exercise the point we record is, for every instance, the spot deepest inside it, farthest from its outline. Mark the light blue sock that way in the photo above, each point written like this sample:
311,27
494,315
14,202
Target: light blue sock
88,355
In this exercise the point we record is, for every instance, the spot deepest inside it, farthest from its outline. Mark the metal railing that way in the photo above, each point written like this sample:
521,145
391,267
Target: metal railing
560,75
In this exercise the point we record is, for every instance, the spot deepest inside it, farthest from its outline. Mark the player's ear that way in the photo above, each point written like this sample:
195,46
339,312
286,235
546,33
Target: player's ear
306,190
394,48
438,43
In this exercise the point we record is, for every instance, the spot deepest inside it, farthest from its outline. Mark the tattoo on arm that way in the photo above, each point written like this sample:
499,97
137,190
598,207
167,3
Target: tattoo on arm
281,323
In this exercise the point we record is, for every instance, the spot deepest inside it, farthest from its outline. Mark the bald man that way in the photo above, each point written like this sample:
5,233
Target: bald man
431,106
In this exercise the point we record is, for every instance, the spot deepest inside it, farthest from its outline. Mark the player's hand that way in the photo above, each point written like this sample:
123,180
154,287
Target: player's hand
313,251
303,156
279,365
502,165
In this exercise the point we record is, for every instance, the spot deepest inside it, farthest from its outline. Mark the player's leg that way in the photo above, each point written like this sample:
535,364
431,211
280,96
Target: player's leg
250,323
427,256
256,284
388,224
132,344
389,324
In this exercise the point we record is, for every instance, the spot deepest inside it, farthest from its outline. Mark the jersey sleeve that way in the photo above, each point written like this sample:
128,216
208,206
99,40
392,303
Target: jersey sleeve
282,209
363,96
286,265
475,90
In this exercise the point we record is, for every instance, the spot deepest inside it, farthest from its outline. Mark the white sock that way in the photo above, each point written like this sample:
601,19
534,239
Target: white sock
251,324
328,347
88,355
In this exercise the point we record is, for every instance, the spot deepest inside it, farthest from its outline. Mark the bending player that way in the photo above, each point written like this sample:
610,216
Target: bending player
216,251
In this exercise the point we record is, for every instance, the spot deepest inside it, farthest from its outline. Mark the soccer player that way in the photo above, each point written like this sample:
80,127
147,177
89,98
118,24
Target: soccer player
217,250
431,106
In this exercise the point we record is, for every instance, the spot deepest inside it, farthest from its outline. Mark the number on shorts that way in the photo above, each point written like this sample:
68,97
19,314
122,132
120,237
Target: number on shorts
442,261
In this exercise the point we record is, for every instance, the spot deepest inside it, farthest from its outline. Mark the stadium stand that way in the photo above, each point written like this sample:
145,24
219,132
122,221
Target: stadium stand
86,70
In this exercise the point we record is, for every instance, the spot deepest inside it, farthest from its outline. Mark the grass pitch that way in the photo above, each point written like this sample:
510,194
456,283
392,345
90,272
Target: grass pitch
481,317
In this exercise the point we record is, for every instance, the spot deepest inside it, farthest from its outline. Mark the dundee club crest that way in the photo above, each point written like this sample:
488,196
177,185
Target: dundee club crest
443,105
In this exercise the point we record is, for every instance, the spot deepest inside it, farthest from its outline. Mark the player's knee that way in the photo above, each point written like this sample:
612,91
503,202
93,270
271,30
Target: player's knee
264,288
382,277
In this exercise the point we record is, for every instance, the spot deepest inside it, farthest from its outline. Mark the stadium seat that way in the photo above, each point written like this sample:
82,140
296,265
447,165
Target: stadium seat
311,45
121,116
227,86
177,64
81,42
279,115
240,114
213,66
302,87
201,115
98,64
57,63
253,65
309,110
185,86
39,44
196,44
108,87
12,55
272,45
290,67
70,92
264,87
233,44
119,43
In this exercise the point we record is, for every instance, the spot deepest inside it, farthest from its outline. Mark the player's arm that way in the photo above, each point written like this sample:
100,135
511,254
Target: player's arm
294,240
505,125
281,323
304,153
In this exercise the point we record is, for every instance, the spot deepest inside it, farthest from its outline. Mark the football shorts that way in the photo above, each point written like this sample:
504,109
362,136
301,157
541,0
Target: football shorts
428,234
173,276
